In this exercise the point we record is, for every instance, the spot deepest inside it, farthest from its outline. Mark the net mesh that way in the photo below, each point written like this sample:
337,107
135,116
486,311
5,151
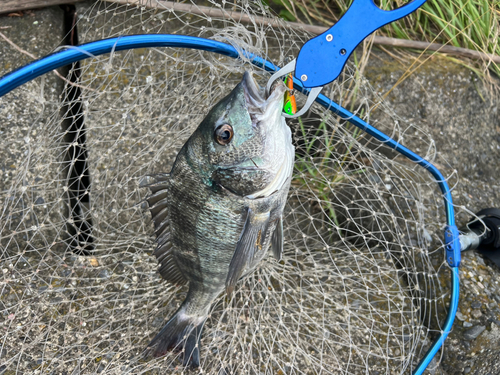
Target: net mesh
363,285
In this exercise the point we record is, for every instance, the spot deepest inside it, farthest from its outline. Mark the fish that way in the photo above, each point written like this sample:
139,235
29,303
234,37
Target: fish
220,209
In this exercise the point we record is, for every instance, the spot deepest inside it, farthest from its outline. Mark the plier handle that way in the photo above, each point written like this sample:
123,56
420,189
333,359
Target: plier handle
322,58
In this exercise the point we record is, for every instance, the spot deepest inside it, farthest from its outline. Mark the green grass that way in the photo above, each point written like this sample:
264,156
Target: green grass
313,175
473,24
323,162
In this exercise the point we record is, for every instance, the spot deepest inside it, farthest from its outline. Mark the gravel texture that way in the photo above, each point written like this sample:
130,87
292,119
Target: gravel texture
463,116
443,98
38,33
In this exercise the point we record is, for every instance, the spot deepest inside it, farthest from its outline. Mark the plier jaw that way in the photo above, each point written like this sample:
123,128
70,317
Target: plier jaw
287,69
322,58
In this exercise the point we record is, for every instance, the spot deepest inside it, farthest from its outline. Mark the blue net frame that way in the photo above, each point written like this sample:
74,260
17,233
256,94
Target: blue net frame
451,235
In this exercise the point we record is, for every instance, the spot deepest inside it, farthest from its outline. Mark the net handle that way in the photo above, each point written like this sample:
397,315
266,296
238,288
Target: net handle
68,56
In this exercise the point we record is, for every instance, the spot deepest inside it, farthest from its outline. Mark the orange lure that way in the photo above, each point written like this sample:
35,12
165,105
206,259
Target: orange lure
290,105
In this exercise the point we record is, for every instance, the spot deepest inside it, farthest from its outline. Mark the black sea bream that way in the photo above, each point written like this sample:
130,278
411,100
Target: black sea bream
220,208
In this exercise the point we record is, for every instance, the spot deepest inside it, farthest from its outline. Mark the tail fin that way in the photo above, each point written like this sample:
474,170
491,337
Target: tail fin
181,333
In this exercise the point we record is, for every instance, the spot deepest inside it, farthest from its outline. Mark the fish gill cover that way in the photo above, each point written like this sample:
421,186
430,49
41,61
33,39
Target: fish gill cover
362,285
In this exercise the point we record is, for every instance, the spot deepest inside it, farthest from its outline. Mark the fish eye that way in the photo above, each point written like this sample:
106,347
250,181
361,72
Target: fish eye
224,134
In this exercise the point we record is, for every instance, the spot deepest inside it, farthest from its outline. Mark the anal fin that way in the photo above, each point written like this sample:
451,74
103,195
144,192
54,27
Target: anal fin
167,266
251,239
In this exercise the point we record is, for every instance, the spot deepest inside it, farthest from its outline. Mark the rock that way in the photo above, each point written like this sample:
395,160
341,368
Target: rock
461,316
66,272
158,322
474,332
496,321
467,324
39,200
433,366
476,305
476,314
23,262
104,274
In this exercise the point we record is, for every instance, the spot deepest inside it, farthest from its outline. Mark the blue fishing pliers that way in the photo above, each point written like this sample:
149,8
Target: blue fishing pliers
321,59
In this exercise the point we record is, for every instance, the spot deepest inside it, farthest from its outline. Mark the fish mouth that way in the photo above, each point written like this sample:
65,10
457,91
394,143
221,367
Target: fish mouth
258,105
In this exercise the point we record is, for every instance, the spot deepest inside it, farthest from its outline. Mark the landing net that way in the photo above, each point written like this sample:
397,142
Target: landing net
363,286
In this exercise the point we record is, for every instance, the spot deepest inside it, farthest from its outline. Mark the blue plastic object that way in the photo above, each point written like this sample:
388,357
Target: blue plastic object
15,79
453,249
68,56
321,59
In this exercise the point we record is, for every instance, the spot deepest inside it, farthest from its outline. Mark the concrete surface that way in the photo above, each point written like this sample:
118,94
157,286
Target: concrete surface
37,33
449,102
443,98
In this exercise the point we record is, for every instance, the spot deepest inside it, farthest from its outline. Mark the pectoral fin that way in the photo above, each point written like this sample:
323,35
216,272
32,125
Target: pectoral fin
277,240
251,239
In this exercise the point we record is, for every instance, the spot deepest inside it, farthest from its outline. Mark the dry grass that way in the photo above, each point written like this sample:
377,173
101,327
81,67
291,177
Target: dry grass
473,24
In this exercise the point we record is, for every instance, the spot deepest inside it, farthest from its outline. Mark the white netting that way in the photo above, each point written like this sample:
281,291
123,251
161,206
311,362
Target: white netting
363,285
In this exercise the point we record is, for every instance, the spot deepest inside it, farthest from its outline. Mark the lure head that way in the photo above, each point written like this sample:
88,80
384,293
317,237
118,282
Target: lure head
290,105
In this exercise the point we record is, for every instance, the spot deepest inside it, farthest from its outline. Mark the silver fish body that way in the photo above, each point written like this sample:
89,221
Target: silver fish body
220,209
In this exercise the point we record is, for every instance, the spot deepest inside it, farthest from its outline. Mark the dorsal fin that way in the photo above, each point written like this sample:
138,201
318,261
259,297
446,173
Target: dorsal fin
158,184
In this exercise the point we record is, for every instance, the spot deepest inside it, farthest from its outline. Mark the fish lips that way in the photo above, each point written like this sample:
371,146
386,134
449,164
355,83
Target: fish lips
260,108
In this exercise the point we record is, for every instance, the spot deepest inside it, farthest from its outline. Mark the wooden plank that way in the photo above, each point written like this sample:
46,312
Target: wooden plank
9,6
